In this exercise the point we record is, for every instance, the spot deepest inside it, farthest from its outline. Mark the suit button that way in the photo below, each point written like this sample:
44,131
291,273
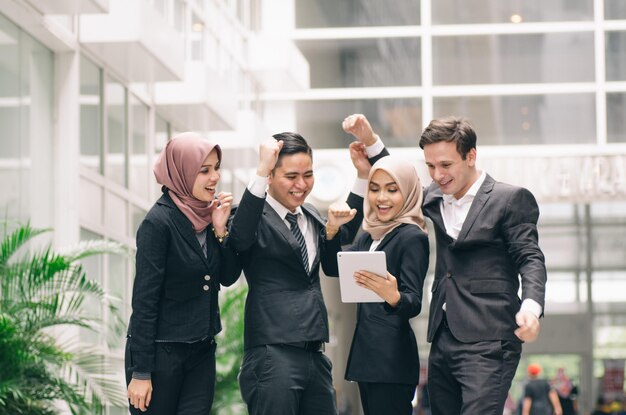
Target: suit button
449,274
207,278
205,287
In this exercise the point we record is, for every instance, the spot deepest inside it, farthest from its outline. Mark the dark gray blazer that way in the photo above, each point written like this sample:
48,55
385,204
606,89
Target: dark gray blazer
383,348
176,286
477,275
284,303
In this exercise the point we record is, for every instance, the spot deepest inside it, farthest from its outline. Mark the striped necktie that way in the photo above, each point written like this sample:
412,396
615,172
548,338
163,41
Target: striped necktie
295,229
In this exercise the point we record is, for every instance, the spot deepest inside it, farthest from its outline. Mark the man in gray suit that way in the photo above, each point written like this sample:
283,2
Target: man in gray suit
486,234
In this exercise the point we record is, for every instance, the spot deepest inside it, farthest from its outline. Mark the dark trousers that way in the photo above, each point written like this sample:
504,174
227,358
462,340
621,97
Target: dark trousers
386,398
184,380
285,380
470,378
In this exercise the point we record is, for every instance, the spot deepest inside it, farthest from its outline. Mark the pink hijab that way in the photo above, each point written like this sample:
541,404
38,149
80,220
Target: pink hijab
405,176
562,383
178,166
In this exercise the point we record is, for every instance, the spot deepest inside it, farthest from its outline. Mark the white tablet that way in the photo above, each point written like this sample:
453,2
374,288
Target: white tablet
349,263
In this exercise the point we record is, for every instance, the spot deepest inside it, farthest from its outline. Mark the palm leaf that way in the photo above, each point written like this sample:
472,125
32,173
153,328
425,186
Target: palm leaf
41,290
13,241
230,344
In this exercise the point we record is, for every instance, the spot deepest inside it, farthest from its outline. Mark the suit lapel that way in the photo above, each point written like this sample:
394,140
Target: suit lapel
185,229
319,223
389,237
281,227
432,206
477,206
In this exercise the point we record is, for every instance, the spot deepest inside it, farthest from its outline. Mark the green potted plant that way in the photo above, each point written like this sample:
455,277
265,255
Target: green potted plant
42,294
227,399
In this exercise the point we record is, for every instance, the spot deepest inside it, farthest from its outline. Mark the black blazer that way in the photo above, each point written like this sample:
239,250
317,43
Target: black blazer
175,288
384,349
477,275
284,303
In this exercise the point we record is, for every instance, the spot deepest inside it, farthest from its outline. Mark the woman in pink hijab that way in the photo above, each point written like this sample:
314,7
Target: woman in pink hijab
383,357
182,259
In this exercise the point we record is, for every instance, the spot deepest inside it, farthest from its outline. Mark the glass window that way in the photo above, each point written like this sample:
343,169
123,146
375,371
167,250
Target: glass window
616,56
138,171
526,119
565,245
608,211
363,62
26,82
115,161
610,336
609,246
116,215
566,287
503,59
398,120
614,9
90,115
346,13
10,91
616,117
11,150
552,213
498,11
196,38
608,286
91,202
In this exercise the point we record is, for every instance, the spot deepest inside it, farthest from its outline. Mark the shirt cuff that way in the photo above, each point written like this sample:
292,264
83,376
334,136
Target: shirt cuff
531,306
360,187
257,185
142,375
376,148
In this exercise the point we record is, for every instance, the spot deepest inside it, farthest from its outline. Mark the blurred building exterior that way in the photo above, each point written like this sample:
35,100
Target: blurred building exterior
90,90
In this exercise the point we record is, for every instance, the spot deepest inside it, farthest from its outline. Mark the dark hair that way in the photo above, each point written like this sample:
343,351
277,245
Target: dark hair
450,129
293,143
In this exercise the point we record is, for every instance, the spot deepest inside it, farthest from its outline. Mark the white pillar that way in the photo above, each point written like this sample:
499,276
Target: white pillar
66,148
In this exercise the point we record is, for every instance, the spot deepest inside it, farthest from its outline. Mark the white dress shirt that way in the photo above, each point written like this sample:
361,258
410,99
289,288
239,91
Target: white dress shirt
454,211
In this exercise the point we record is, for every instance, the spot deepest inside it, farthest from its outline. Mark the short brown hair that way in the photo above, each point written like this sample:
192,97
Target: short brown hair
450,129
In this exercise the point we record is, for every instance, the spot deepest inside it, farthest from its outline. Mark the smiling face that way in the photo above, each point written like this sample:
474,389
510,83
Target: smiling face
448,169
384,197
207,178
292,180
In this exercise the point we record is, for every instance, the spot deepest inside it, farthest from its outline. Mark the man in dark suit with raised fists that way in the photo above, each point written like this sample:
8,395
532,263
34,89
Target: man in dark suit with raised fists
486,234
284,370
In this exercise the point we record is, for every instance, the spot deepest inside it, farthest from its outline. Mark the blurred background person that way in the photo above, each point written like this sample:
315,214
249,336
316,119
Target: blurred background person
539,397
567,392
